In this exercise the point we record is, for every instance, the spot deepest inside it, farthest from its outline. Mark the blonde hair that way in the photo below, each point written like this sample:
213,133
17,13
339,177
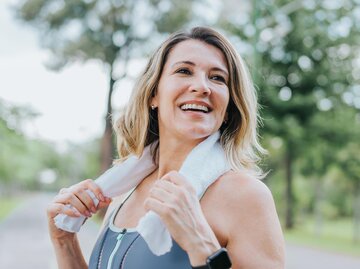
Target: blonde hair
137,127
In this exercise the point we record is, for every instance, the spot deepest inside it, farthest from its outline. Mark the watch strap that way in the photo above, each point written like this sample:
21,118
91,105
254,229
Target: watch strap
200,267
218,260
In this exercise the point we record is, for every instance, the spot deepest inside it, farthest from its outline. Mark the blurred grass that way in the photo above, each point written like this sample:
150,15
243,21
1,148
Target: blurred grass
335,235
7,204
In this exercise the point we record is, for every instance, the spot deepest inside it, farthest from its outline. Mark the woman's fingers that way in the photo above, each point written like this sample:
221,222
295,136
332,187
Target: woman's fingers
79,199
161,194
169,198
91,185
69,198
81,191
104,204
157,206
58,208
179,180
85,198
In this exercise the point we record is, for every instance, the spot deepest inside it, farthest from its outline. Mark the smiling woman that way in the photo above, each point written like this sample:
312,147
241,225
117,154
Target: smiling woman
192,82
194,88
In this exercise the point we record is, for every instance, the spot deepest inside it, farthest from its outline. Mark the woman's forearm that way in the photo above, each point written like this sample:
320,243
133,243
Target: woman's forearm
69,254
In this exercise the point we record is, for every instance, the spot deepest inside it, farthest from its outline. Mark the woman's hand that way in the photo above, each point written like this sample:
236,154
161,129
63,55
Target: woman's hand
174,199
81,203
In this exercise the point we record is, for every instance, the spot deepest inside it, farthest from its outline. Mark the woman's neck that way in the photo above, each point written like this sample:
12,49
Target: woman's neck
172,154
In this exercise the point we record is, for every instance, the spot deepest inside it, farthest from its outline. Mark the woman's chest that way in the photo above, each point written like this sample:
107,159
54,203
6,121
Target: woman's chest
133,210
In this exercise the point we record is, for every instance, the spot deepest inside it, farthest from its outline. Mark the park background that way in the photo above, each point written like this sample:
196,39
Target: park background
66,66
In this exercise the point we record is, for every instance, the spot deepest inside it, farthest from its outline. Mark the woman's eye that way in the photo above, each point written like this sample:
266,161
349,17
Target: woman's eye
219,78
183,71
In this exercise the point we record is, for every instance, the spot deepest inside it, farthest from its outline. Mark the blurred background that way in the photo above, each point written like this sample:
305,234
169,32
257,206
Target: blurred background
68,66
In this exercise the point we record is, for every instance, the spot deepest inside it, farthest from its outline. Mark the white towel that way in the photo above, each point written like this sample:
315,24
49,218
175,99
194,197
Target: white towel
204,164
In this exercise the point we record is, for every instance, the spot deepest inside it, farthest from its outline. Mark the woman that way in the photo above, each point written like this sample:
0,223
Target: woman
194,85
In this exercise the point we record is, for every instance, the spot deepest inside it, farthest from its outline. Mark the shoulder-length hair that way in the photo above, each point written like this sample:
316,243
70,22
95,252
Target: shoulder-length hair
137,127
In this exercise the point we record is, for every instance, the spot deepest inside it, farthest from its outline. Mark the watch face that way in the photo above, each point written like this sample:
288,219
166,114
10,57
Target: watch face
219,260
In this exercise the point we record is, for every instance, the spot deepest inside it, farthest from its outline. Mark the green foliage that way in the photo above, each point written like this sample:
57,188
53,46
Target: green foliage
12,142
302,56
33,164
105,30
336,236
7,204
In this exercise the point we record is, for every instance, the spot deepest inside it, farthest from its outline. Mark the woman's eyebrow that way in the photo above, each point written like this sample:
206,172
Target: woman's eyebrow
220,70
183,62
193,64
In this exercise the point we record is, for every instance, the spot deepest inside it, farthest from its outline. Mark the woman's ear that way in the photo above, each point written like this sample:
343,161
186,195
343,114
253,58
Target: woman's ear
154,102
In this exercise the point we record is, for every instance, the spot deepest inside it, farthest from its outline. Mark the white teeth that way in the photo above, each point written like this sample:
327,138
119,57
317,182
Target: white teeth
194,106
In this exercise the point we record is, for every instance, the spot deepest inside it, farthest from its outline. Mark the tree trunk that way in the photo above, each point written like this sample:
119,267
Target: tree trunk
356,235
289,222
107,142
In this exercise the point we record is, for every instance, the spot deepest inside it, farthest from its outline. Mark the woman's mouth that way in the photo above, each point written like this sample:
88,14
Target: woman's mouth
195,107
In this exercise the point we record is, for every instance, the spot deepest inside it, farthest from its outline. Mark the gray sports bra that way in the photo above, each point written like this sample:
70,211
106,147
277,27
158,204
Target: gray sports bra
125,249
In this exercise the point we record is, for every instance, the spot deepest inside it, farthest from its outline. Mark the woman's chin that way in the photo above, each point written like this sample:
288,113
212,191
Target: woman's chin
196,133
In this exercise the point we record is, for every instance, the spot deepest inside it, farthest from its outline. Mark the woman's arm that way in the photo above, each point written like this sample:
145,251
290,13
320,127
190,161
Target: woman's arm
66,245
255,239
69,254
241,207
174,199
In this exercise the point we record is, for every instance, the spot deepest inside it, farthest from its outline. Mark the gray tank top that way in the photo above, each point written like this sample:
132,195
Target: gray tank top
125,249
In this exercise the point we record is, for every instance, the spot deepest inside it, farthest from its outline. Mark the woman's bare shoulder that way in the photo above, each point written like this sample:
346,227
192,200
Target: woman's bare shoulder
250,220
241,187
241,196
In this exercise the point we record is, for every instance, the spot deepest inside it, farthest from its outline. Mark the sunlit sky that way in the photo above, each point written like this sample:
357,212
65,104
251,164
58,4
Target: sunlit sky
71,102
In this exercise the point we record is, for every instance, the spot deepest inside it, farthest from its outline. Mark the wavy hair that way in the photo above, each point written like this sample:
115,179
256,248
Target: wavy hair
137,127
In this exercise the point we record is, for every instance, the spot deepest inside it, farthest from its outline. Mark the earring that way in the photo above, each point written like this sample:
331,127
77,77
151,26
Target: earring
153,107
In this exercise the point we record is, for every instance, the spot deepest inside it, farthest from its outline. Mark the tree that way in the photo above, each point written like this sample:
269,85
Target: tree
349,160
21,158
109,31
325,142
302,62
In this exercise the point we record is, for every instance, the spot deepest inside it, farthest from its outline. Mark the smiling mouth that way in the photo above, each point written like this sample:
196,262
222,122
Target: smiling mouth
194,107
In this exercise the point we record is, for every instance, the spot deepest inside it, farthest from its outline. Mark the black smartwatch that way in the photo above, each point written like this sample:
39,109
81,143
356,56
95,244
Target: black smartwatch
219,260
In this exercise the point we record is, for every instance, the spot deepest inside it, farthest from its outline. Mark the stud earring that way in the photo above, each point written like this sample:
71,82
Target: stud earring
153,107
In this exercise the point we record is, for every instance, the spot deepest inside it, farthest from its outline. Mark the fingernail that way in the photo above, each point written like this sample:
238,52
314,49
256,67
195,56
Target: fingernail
93,209
87,213
102,199
77,213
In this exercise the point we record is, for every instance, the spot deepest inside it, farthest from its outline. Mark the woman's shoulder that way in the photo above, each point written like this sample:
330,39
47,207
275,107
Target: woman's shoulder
239,195
249,219
241,187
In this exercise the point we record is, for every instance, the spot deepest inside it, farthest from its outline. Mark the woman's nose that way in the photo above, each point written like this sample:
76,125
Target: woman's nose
200,86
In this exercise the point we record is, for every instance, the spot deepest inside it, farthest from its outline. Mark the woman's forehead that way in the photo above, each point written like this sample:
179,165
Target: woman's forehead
198,53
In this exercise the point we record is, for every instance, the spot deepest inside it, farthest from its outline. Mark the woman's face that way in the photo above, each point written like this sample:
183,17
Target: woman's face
192,94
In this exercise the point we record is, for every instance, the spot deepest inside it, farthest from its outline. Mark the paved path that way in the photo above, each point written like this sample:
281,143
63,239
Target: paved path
302,257
24,243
